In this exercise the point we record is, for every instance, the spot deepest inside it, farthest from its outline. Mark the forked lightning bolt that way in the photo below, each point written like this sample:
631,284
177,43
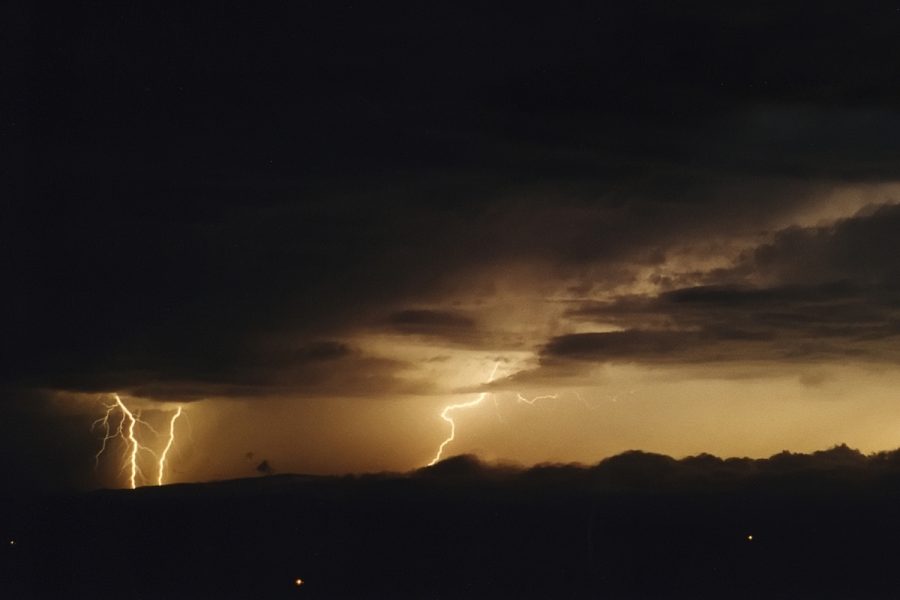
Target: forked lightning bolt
126,431
445,415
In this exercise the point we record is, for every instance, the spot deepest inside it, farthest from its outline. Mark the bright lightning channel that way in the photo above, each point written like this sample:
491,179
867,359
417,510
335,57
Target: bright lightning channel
126,431
165,452
525,400
445,415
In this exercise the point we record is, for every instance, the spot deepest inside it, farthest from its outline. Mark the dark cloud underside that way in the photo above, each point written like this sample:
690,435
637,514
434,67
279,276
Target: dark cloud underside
810,294
204,197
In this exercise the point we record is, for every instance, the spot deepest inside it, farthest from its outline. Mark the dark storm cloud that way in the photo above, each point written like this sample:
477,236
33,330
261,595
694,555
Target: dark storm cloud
328,369
862,249
820,293
199,185
427,319
642,346
443,325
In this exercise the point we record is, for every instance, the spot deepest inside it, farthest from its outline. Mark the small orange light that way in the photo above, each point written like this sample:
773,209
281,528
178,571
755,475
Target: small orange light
298,582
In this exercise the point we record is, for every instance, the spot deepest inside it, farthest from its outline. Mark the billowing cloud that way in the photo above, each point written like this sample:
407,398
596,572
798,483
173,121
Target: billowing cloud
447,325
811,294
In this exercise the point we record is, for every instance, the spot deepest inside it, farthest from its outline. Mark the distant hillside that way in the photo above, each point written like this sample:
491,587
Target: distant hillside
636,525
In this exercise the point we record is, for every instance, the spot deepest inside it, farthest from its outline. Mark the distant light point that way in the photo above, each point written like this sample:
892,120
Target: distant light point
12,542
749,538
298,582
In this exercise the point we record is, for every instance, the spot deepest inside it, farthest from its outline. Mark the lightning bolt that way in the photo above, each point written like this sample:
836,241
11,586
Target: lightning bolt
531,402
165,452
445,415
126,431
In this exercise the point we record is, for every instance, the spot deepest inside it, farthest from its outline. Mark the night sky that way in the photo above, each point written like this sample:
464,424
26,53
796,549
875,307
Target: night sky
672,226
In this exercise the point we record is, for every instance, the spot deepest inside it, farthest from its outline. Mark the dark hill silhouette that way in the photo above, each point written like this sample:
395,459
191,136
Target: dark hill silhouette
636,525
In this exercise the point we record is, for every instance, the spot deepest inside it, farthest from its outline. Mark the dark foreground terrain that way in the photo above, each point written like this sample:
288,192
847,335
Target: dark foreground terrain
637,525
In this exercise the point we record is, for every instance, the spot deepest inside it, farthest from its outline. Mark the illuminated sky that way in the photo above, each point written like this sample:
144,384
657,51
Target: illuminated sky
316,227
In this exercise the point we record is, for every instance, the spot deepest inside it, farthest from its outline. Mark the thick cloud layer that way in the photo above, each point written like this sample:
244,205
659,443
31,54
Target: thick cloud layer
187,197
810,294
